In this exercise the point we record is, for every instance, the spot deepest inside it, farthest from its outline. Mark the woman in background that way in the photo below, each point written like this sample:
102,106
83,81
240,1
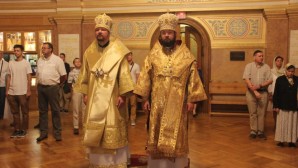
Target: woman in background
285,104
276,71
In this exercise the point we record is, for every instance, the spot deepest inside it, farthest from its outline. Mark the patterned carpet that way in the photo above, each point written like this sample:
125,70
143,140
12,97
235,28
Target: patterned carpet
138,161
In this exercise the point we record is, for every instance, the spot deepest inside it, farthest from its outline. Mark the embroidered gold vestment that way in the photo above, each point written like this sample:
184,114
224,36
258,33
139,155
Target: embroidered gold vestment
171,81
104,76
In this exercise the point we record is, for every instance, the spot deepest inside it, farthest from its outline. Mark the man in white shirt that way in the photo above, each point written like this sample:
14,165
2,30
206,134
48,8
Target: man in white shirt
18,93
50,74
3,72
257,76
132,101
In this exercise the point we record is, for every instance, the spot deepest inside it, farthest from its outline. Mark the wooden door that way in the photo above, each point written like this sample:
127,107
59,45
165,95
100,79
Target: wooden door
193,40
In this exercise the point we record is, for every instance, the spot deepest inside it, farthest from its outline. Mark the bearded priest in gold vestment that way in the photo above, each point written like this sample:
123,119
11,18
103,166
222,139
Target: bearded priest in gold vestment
105,81
170,78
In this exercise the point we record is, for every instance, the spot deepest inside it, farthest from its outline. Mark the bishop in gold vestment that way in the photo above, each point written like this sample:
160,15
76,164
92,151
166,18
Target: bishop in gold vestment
105,80
170,78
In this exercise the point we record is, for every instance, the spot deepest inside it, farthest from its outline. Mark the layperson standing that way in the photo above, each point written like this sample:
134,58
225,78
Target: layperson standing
50,74
3,72
65,90
77,97
285,104
105,82
170,77
18,91
257,76
134,69
276,71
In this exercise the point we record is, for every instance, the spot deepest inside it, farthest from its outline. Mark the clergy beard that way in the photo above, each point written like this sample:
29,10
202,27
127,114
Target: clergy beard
104,45
167,42
100,38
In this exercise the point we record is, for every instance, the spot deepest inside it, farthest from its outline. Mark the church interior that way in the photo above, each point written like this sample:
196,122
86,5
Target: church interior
221,34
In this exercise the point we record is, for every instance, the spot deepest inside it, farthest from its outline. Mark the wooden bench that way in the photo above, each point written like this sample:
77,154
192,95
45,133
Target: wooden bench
227,95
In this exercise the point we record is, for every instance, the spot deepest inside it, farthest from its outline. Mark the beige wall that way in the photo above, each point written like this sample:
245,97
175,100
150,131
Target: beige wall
68,29
88,35
225,70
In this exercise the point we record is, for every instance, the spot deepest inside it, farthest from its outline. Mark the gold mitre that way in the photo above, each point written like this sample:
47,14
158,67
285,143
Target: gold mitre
168,21
104,21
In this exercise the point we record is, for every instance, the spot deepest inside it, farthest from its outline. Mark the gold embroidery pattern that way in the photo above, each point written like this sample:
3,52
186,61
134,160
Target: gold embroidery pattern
171,119
115,137
172,87
93,134
106,81
93,126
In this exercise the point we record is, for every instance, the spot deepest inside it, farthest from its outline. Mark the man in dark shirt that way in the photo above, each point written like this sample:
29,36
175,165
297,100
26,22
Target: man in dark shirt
65,91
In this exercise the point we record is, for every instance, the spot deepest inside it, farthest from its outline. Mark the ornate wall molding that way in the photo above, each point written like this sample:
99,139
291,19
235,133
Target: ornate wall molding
234,27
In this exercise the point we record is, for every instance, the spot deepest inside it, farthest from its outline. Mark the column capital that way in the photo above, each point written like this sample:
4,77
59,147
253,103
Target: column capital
293,11
275,13
64,19
89,19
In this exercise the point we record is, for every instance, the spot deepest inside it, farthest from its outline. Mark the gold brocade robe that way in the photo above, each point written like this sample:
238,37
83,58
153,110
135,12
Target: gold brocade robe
105,127
171,81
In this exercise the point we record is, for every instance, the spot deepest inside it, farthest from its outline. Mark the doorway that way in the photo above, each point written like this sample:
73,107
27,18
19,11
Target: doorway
197,40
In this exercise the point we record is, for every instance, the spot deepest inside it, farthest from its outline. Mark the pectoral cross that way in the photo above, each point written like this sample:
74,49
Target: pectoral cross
99,73
106,82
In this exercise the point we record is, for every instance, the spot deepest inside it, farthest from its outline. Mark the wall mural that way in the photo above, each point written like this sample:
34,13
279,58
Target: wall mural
235,27
249,27
125,29
132,29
